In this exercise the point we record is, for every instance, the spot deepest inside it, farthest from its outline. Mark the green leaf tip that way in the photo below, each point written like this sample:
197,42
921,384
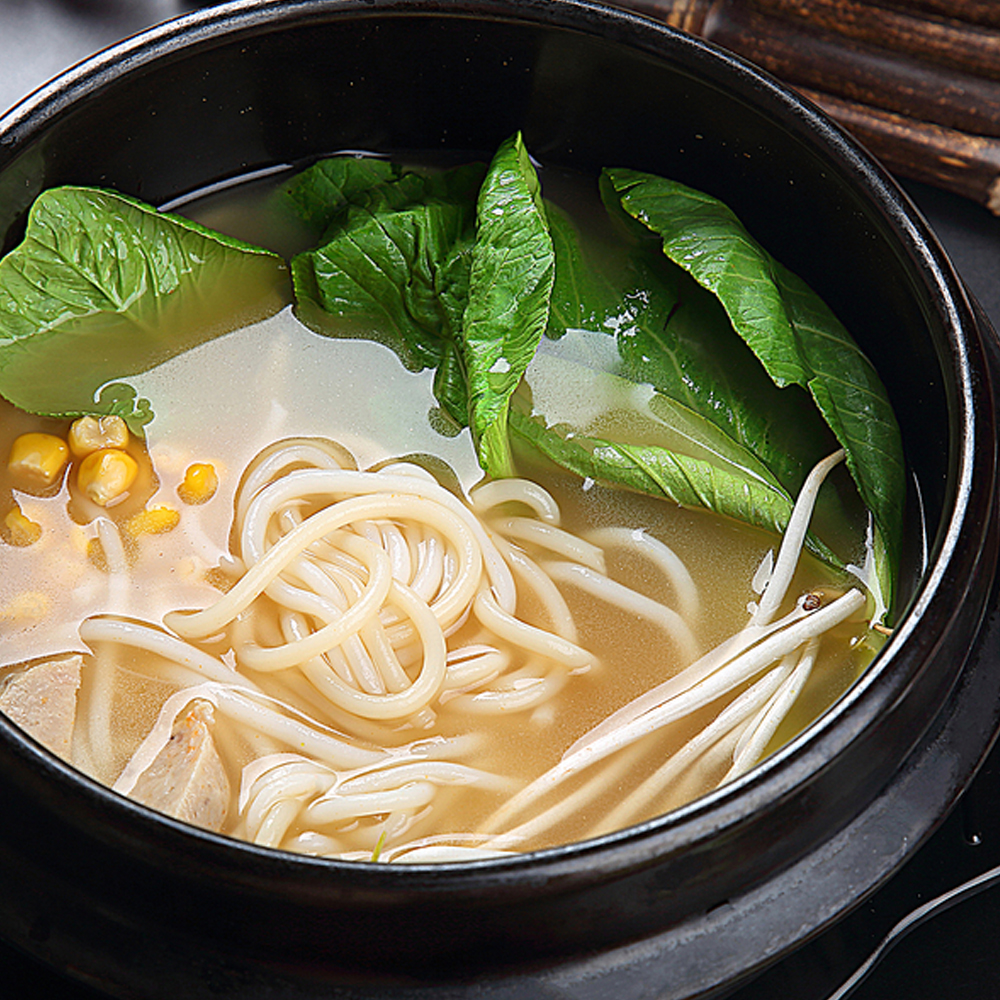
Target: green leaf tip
510,286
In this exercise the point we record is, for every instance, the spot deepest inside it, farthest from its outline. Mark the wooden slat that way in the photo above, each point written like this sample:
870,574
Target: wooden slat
969,48
858,72
869,67
984,12
968,165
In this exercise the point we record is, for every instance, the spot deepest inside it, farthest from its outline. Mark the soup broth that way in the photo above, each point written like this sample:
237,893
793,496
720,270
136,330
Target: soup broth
227,401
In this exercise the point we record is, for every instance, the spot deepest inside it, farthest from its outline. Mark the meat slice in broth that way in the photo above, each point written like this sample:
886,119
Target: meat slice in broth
42,701
187,779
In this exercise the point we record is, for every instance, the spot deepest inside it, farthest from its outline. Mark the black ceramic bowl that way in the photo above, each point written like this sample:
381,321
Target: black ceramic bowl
685,905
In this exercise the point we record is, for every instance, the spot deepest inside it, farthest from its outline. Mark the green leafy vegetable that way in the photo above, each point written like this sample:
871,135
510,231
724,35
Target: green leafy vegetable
677,337
714,401
119,399
463,271
453,271
583,298
794,334
395,263
468,284
687,480
104,286
510,285
320,193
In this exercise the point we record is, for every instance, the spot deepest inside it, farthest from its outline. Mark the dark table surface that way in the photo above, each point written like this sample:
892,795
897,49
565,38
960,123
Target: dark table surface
953,955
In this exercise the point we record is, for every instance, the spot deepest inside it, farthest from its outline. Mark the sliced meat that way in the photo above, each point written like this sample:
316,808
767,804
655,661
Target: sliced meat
42,701
186,779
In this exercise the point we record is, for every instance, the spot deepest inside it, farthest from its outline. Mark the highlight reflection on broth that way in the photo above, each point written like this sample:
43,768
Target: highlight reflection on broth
303,616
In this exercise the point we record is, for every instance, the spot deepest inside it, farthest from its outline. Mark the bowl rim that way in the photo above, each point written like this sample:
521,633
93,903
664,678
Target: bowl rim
880,686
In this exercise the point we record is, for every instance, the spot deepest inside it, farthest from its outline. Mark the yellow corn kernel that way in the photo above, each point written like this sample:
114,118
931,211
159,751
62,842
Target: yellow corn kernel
90,434
200,483
106,475
20,530
155,521
37,460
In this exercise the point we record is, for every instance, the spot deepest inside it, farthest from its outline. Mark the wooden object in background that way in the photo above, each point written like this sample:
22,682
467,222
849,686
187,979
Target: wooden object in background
985,12
863,73
924,120
969,48
968,165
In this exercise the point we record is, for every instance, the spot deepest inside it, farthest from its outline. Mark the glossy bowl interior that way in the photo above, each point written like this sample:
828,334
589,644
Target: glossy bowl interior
683,905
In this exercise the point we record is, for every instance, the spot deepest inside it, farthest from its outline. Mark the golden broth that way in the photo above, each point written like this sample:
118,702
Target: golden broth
358,394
